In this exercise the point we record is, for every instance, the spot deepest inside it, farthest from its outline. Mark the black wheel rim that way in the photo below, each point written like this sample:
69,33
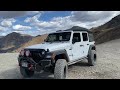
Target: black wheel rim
95,57
64,76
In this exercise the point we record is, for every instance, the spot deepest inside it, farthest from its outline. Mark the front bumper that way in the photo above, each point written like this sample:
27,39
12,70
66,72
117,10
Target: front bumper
33,65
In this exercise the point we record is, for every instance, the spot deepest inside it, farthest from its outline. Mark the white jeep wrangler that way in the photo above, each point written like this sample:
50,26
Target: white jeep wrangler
59,50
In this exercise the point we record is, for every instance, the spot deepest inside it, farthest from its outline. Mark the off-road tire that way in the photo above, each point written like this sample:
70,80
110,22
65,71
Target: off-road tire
92,58
61,69
26,73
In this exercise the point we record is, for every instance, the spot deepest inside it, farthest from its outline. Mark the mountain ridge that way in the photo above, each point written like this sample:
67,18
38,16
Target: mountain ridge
12,41
108,31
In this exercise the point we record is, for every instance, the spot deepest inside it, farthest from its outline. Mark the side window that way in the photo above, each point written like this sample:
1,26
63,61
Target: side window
85,37
52,38
76,37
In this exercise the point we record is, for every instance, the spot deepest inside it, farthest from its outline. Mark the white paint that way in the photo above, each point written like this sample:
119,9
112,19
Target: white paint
85,47
77,51
74,51
51,46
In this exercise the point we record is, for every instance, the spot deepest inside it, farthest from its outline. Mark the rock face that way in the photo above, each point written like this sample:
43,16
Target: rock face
108,31
12,41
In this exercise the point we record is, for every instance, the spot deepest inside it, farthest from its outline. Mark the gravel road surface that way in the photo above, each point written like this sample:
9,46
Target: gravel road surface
107,67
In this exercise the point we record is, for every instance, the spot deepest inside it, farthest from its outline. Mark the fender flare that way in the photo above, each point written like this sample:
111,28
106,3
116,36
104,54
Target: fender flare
58,52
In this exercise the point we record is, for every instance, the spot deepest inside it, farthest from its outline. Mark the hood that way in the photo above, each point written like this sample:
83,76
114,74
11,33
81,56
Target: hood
50,46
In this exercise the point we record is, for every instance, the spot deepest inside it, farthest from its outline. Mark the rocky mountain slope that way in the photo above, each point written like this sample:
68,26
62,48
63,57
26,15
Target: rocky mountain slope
107,32
12,41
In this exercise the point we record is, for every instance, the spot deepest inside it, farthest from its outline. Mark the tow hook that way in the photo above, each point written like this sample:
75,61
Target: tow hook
30,67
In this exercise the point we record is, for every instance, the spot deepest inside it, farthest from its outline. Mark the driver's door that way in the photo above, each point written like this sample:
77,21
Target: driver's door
77,47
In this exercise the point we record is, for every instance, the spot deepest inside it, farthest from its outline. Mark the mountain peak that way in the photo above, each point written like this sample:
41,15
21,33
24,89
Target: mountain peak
117,17
12,41
77,27
13,33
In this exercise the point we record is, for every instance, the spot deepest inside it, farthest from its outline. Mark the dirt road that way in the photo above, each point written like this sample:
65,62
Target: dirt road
107,67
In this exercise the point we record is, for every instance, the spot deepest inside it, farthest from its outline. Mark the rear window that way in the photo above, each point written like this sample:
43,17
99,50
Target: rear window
76,37
91,37
85,37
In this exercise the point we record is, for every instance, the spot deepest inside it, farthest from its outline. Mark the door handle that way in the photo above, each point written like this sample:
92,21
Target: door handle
70,48
81,45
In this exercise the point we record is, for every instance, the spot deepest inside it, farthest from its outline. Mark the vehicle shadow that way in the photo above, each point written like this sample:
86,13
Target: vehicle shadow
43,75
15,74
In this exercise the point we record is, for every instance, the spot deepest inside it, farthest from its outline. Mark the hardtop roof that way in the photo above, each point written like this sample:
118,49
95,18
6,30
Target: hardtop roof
75,28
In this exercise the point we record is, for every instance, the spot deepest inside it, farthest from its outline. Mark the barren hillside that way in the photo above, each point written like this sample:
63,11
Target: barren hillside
107,32
13,41
35,40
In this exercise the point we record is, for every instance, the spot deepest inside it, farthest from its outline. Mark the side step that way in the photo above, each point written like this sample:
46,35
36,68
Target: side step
78,60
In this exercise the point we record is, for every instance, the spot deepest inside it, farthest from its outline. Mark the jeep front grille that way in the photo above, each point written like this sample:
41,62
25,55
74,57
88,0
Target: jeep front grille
36,54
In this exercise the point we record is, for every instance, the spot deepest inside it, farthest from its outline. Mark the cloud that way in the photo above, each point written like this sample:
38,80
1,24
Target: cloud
3,34
21,27
33,19
34,12
93,18
8,22
87,19
12,14
90,16
57,23
2,28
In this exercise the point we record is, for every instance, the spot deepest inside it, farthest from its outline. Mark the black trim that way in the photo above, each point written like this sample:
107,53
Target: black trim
76,61
90,47
58,52
77,28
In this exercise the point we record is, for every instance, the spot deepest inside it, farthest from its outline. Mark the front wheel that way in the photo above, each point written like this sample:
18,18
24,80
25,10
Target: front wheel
25,72
60,71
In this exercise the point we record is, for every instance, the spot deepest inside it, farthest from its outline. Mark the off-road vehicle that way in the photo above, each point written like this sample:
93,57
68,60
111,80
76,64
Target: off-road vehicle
60,49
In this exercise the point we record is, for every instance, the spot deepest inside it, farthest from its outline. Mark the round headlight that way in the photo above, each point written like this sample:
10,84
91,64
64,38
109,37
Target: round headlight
27,53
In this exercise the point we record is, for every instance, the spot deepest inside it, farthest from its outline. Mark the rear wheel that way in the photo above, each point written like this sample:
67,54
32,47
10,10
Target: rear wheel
26,73
92,58
61,69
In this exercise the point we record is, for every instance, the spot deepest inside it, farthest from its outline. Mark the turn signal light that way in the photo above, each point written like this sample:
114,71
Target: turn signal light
22,52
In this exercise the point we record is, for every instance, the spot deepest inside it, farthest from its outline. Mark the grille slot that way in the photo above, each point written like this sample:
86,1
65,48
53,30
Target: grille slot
36,54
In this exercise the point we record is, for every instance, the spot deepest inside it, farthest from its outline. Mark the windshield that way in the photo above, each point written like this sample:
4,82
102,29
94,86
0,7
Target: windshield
63,36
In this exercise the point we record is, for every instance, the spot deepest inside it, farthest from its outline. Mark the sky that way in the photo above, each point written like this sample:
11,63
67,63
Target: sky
42,22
